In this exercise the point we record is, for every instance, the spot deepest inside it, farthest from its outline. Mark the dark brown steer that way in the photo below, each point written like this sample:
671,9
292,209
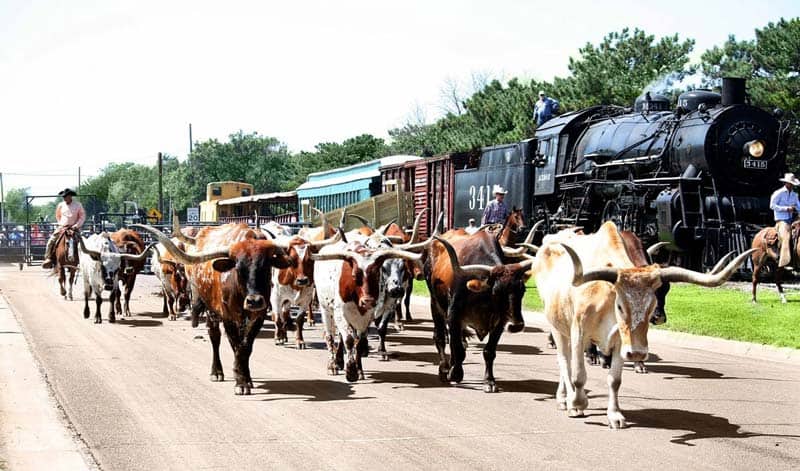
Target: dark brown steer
230,278
471,287
128,242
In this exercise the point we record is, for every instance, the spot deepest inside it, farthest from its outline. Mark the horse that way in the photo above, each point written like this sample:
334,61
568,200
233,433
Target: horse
66,256
514,223
767,245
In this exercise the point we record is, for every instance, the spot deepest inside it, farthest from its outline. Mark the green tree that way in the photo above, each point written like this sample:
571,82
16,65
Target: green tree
15,208
620,67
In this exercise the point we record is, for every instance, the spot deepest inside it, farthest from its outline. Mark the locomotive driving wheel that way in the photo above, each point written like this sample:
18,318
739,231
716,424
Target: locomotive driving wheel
612,212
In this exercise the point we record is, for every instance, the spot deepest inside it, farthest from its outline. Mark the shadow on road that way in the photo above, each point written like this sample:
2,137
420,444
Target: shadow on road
407,379
698,425
535,386
517,349
310,390
431,358
153,315
139,322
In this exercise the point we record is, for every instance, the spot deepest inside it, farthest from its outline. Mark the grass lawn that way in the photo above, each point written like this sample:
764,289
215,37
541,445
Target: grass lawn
717,312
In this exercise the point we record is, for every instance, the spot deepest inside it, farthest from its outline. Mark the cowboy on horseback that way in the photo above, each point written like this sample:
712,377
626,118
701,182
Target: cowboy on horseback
69,216
785,204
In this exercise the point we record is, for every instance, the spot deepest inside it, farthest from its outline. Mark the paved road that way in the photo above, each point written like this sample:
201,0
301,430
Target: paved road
138,395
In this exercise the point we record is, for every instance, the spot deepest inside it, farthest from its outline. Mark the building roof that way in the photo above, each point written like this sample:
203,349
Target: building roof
258,198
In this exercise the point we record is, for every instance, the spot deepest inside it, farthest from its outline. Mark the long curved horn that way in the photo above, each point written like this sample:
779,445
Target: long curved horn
721,263
439,222
415,231
139,257
469,270
381,255
321,243
682,275
532,248
653,249
413,247
509,252
342,218
176,230
383,228
535,227
180,255
362,219
268,232
579,277
323,221
338,255
92,253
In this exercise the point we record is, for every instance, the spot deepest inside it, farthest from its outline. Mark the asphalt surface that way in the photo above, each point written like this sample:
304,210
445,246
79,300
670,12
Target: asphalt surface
138,396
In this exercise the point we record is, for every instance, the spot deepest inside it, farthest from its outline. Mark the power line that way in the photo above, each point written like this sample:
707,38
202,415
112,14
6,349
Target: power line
49,174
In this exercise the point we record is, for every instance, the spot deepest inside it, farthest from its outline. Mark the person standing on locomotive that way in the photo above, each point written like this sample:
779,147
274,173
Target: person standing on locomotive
496,211
785,205
69,214
544,109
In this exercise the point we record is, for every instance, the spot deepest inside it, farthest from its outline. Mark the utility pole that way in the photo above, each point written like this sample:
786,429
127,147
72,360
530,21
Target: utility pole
79,180
2,201
190,138
160,188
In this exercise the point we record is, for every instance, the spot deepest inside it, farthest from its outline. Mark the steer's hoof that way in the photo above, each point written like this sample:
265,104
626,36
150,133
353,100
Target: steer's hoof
86,313
443,369
575,413
98,320
217,377
562,406
456,374
616,420
242,390
384,356
490,388
639,367
300,345
112,319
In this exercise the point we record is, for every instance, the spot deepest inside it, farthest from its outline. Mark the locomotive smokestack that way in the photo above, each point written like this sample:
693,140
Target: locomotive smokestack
733,91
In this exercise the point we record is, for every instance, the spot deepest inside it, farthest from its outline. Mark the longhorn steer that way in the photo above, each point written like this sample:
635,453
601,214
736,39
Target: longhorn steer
129,242
172,276
610,305
471,287
100,261
233,288
348,280
294,285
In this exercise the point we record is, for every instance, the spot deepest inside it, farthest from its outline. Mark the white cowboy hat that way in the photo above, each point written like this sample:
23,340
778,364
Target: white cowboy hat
499,189
790,178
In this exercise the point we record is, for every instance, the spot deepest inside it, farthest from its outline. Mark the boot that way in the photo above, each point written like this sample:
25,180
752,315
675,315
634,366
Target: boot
784,235
48,254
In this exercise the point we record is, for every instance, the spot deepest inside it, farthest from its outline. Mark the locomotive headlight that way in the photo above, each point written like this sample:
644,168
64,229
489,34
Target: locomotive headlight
754,148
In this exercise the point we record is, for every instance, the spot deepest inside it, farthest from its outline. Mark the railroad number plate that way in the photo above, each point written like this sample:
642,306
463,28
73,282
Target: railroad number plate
759,164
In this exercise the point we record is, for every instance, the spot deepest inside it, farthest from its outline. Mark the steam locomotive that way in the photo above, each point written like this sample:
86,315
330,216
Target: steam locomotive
697,176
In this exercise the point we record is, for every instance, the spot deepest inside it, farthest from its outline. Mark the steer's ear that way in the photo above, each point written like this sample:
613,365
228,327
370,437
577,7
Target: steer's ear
279,259
477,286
223,264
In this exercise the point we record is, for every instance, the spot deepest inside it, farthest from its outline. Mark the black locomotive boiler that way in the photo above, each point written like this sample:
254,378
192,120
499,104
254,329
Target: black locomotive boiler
697,175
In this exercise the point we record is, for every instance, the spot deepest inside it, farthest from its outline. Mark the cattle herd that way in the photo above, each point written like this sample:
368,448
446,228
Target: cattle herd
600,291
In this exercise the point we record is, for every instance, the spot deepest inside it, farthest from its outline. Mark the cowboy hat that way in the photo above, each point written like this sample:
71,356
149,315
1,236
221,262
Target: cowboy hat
499,189
66,192
790,178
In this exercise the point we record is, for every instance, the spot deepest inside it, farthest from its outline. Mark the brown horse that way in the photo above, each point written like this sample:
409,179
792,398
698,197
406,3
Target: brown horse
767,245
515,222
66,256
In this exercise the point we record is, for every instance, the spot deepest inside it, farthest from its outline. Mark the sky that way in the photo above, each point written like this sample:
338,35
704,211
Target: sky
84,83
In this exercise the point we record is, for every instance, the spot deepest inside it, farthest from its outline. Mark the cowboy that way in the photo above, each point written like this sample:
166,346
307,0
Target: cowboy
69,215
544,109
785,205
496,211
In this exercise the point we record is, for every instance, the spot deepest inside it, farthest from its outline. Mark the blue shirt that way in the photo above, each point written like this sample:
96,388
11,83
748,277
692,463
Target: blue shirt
782,201
496,211
544,109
